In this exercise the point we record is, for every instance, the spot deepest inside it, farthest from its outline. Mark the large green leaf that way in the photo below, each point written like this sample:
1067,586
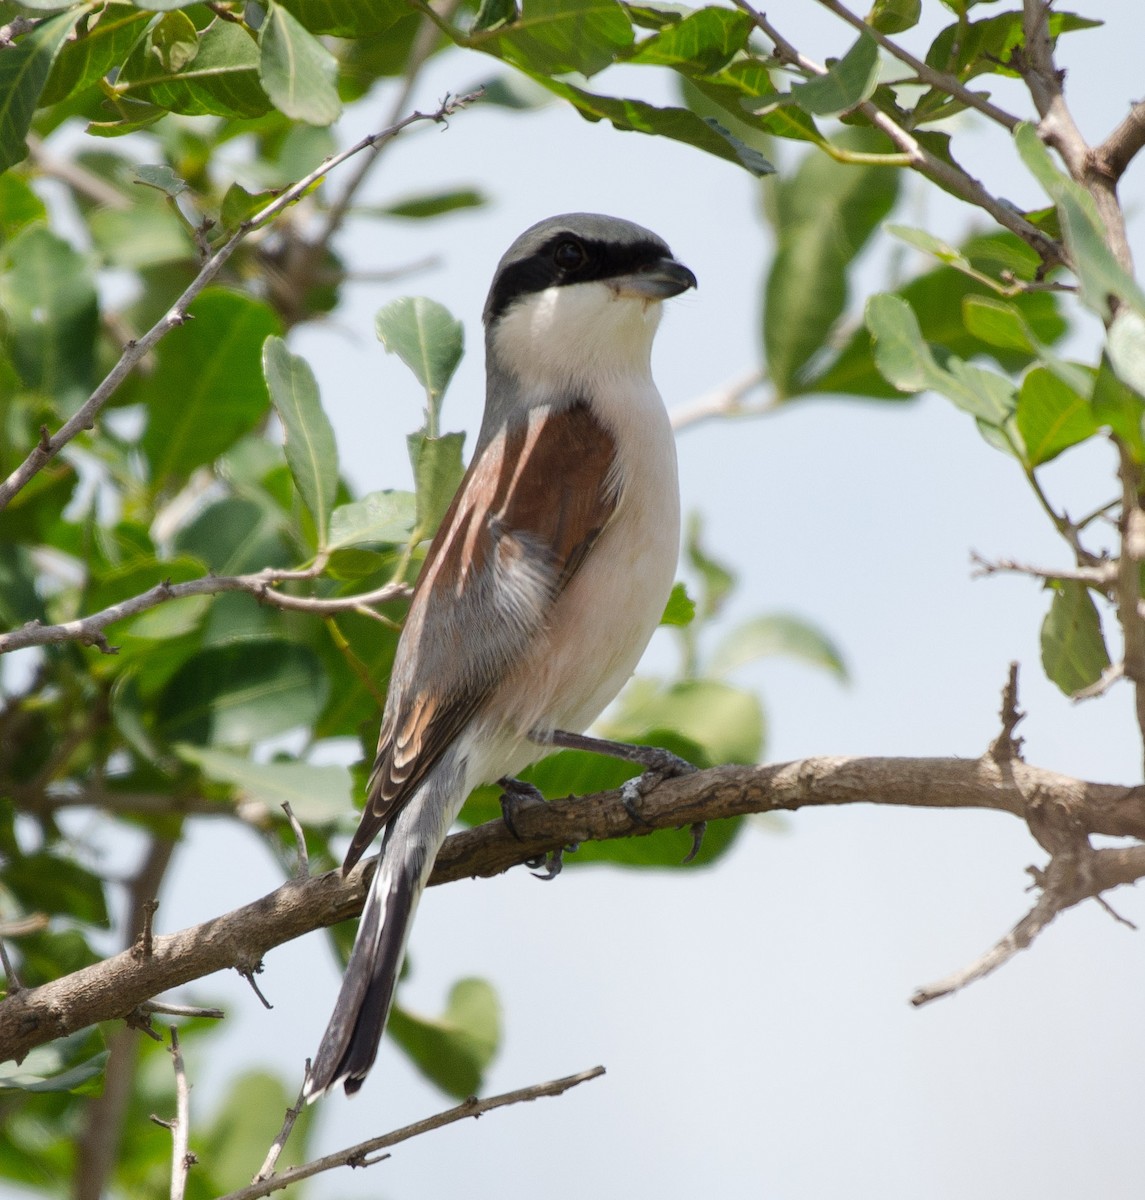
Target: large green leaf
221,80
429,340
101,44
349,18
1073,647
296,70
703,42
556,37
235,535
777,634
24,70
437,472
1120,407
19,205
848,82
1051,416
679,124
454,1049
241,692
310,448
208,389
378,519
824,215
316,795
69,1064
48,296
1126,348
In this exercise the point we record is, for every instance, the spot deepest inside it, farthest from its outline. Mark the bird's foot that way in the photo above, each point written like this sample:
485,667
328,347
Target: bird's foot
516,797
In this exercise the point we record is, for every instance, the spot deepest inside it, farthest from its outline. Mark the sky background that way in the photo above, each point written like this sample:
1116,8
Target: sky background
753,1018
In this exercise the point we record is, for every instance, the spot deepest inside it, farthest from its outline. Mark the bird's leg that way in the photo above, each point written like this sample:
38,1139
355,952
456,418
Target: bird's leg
659,764
516,795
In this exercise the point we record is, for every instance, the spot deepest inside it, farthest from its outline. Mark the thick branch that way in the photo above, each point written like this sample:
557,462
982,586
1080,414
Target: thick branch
113,988
88,631
50,445
1114,155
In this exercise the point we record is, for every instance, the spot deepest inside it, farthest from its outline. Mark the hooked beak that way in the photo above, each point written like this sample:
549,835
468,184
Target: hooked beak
662,280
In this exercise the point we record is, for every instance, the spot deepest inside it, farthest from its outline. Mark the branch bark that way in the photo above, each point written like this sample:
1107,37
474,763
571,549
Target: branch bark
238,940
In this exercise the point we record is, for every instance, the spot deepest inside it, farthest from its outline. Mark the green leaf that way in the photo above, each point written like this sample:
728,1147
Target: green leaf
428,339
101,44
454,1049
378,519
824,214
160,177
998,323
24,70
437,472
148,234
679,124
208,388
316,795
175,41
48,295
349,18
848,82
556,37
1120,407
1073,647
766,636
296,70
716,579
433,204
1125,345
310,449
725,722
680,609
221,81
908,363
49,883
705,41
894,16
241,692
1098,271
1051,416
235,535
54,1067
19,205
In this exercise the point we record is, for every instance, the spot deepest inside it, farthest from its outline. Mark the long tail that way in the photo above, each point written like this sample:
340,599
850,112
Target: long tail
411,843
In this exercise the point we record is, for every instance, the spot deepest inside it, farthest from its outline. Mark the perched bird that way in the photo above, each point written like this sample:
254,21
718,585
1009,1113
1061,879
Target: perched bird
548,574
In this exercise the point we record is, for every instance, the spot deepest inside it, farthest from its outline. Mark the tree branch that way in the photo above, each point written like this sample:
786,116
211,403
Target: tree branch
360,1155
940,80
84,418
239,940
88,631
949,177
1114,155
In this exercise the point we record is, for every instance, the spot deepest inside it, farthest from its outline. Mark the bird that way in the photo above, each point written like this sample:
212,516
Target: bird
542,586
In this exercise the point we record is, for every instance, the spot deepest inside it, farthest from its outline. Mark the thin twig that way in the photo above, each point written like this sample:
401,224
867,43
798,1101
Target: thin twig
940,80
1102,577
195,1011
1066,881
1102,684
15,28
88,631
1006,747
181,1156
359,1155
303,868
84,417
726,401
266,1171
14,984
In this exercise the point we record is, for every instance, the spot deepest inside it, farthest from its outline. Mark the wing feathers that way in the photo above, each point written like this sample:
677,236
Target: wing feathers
532,504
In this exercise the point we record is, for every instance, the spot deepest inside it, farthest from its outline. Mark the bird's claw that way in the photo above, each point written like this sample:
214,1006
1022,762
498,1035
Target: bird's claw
698,831
552,867
516,796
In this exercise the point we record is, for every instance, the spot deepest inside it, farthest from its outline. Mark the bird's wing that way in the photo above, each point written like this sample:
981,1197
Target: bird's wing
486,589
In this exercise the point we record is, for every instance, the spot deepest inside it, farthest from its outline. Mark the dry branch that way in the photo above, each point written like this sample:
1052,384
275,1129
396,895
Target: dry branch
239,940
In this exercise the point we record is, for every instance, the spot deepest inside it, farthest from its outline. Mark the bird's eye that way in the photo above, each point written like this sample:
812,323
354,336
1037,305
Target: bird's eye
569,255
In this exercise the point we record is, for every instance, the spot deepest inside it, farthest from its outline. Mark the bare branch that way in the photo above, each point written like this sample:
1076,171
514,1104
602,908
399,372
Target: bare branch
927,74
111,989
1102,684
303,869
726,401
181,1156
1065,882
1115,154
360,1155
266,1171
84,417
1102,577
1006,747
88,631
949,177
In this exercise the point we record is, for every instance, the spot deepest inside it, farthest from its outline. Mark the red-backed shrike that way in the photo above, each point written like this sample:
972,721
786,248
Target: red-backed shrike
543,585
